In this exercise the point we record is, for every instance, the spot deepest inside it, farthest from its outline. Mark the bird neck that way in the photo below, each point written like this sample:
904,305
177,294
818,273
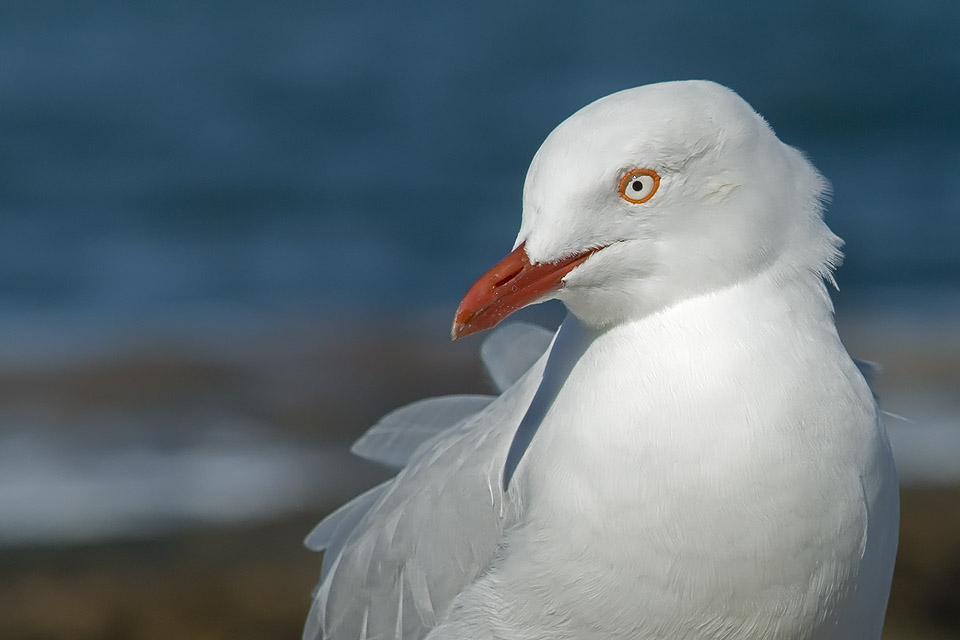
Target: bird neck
600,386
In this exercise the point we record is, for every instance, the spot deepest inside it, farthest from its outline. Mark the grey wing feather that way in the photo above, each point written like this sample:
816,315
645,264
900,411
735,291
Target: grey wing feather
330,535
507,354
511,350
341,522
394,438
426,534
870,371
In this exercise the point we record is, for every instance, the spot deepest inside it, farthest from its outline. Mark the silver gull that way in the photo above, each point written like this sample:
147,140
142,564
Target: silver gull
694,454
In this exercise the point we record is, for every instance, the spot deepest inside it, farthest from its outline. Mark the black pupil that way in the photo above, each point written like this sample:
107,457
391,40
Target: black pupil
637,185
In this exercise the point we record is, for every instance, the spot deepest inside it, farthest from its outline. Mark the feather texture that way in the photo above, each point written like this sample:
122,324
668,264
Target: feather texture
512,349
393,439
387,570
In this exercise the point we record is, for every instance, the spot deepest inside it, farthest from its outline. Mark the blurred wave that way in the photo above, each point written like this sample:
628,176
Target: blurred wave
57,490
101,485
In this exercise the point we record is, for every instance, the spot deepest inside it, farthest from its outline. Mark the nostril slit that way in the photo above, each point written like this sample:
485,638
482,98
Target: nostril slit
507,278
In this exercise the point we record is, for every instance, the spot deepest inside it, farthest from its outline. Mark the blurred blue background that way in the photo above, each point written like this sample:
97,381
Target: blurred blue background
232,159
233,233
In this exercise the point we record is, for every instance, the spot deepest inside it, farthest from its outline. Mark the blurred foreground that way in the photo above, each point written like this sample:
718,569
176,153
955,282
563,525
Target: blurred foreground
220,556
254,582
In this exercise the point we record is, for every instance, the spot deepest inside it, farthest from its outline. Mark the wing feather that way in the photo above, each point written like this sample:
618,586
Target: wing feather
394,438
397,555
511,350
420,593
341,522
420,538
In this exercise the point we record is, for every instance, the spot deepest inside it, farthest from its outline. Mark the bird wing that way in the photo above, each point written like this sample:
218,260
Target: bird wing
397,555
394,438
511,350
507,354
871,372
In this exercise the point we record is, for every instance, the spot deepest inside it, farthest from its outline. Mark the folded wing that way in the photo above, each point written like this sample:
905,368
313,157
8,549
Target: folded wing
397,555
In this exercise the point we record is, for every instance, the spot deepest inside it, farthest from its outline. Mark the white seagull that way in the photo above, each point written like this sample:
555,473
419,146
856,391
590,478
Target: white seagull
694,455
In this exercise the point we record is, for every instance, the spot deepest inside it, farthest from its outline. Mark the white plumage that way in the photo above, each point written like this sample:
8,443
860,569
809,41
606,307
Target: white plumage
695,455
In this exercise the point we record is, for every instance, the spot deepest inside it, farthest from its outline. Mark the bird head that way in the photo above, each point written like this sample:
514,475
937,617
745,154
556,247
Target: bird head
650,196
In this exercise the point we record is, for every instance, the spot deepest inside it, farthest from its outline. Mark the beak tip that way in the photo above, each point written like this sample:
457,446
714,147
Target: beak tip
461,327
459,324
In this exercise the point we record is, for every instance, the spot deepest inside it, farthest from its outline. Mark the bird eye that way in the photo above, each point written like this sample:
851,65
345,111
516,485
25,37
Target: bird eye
639,185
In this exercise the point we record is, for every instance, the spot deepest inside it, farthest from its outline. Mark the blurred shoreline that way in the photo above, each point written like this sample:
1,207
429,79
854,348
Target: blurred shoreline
156,436
252,423
171,481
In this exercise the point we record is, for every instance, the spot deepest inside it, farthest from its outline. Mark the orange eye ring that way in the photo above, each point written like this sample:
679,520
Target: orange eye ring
639,185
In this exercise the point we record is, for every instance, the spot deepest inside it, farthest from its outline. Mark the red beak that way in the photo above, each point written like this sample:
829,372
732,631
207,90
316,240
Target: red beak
511,284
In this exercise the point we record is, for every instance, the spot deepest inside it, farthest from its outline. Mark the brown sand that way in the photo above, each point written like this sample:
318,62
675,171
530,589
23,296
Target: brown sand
254,582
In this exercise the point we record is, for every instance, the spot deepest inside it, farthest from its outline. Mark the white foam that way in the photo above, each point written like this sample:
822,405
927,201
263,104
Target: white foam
53,491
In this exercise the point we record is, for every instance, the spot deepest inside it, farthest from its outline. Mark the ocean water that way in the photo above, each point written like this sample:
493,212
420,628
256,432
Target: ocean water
200,167
218,159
